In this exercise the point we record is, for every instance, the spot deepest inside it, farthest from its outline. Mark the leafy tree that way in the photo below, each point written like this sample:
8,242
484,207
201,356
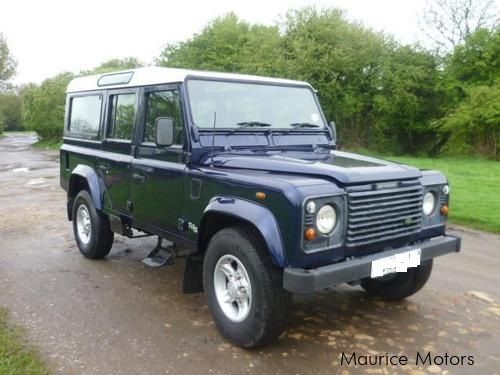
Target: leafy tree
7,62
227,44
343,60
407,101
43,106
474,126
477,60
10,111
114,65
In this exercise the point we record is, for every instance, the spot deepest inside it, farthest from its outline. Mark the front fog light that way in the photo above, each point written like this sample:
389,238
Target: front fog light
429,203
326,219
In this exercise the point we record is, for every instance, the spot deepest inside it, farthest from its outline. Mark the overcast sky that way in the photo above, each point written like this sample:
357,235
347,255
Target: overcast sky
50,36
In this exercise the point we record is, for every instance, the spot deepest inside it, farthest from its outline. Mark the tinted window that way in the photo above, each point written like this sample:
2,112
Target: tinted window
164,104
85,115
122,115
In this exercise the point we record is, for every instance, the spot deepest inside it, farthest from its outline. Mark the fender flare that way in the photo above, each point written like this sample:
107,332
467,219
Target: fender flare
95,183
255,214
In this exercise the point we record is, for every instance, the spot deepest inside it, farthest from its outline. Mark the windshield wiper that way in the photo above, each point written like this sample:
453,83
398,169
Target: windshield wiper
304,125
253,124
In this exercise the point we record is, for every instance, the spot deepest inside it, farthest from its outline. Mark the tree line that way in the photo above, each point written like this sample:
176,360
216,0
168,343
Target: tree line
383,95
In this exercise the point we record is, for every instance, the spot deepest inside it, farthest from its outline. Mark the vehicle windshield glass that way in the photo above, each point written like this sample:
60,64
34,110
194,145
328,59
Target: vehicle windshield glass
249,105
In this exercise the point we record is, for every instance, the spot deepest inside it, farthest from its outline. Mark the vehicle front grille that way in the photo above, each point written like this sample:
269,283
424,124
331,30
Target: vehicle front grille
380,215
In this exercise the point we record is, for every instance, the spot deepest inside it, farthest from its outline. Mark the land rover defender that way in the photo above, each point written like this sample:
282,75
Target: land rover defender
242,175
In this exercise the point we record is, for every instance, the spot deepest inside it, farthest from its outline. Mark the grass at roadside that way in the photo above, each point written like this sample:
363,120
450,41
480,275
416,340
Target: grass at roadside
475,189
16,358
49,144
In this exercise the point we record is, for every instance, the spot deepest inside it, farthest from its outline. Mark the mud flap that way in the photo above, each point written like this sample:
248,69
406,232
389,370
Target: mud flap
193,271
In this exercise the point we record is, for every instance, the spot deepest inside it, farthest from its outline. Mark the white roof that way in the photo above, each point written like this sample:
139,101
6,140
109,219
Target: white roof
154,75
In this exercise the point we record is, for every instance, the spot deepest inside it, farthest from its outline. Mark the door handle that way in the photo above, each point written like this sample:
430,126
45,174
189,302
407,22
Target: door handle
139,177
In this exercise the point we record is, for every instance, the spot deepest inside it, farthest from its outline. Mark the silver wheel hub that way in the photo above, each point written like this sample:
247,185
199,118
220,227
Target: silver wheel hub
83,224
232,288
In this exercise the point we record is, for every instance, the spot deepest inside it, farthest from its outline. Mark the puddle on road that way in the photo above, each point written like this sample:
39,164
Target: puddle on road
36,181
21,170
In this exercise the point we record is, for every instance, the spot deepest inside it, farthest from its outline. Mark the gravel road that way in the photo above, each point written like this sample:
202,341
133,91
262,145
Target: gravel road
118,316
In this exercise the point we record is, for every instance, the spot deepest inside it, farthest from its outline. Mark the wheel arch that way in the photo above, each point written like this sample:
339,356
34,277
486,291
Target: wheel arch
223,212
84,177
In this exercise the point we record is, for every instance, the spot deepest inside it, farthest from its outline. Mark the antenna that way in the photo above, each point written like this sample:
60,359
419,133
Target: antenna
213,140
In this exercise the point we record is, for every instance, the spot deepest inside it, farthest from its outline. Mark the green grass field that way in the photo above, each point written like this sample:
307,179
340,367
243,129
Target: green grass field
16,358
475,189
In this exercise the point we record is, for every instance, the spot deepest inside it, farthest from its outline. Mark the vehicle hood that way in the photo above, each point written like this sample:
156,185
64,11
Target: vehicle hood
343,167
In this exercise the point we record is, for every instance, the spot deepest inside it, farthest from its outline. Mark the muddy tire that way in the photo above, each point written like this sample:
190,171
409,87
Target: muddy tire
401,284
91,228
244,289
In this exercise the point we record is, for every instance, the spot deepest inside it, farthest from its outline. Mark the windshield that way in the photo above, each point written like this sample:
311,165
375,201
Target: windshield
245,105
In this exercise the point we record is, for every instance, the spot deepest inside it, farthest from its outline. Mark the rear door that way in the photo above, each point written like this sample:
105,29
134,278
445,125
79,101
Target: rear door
158,173
115,162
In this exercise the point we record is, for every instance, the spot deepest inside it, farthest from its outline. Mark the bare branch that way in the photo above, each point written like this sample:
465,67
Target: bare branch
447,23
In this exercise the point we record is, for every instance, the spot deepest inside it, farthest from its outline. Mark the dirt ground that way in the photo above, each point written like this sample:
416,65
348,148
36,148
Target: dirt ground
117,316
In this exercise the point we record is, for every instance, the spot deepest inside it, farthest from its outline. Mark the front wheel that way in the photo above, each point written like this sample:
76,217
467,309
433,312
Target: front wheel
91,228
399,285
244,289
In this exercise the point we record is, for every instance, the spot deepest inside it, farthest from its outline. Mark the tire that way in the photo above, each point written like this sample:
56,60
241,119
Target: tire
401,285
264,305
98,242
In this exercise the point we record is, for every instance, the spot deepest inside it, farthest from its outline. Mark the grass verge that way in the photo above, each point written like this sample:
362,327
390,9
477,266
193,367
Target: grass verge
48,144
16,357
475,189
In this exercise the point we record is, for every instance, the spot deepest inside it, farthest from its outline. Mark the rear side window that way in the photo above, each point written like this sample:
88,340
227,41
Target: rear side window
85,115
122,116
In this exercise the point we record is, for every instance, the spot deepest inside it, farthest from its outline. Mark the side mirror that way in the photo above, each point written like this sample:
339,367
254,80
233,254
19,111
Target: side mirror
334,131
164,131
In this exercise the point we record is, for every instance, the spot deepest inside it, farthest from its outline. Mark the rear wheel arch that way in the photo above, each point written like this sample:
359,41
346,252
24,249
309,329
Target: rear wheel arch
85,178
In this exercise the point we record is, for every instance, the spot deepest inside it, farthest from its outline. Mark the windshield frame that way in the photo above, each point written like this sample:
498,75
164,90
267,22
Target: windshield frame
321,129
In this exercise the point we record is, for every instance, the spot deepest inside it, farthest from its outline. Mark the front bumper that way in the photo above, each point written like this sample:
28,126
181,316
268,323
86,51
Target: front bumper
304,281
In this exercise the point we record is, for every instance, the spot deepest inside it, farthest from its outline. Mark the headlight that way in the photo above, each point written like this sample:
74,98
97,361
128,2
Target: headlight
326,219
429,203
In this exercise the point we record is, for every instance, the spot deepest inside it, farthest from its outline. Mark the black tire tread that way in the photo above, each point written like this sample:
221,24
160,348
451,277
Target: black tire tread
274,317
102,239
402,285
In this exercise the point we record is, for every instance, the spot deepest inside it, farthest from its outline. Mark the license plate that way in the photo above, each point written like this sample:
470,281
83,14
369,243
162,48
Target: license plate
396,263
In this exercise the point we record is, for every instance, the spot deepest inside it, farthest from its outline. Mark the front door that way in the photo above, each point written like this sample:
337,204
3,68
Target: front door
158,173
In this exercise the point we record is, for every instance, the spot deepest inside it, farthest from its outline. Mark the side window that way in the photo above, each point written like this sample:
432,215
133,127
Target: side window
163,104
85,115
121,116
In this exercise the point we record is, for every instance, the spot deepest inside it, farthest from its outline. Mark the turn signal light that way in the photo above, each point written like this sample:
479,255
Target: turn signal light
260,195
310,234
444,210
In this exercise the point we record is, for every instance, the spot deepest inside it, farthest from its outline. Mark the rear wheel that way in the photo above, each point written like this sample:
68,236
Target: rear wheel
244,289
91,228
399,285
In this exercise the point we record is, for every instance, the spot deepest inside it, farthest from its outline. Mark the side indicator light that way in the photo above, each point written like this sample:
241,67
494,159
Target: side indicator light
260,195
310,234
